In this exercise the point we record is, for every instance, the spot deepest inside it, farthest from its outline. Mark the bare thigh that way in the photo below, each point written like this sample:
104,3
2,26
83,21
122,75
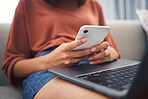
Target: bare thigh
61,89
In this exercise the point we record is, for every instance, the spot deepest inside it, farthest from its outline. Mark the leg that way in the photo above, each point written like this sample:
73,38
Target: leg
61,89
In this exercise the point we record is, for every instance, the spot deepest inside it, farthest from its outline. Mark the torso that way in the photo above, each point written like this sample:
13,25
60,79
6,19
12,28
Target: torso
50,26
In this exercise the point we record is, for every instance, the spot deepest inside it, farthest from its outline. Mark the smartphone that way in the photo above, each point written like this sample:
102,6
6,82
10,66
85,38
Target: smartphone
94,34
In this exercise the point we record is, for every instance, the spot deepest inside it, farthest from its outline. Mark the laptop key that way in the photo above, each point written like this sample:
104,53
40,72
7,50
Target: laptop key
118,79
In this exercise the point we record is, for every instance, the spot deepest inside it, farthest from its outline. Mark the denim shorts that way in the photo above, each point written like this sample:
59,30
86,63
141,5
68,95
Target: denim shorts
33,83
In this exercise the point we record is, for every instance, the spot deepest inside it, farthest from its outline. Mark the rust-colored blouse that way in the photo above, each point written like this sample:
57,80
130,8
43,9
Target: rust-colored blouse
38,26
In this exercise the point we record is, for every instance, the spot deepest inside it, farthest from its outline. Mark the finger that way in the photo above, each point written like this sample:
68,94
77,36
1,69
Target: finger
100,55
80,53
76,43
106,59
99,47
77,60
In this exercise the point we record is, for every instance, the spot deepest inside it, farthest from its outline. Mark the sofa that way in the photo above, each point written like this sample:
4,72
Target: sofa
128,35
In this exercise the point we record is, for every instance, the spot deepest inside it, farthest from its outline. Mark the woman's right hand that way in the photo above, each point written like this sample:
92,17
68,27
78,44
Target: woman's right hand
65,56
60,57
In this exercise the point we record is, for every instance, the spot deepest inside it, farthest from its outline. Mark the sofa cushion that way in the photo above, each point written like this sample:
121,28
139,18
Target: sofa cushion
130,38
9,92
128,35
4,28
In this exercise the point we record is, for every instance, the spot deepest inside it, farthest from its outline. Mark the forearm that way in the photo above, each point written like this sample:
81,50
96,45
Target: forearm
23,68
66,57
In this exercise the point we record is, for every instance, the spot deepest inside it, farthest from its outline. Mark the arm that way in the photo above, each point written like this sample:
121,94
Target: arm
18,60
17,47
66,57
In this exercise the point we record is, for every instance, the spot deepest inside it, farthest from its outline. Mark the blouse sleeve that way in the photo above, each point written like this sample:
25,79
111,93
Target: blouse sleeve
17,47
102,22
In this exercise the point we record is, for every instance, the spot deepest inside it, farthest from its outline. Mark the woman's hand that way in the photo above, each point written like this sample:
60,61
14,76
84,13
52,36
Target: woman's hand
103,53
65,56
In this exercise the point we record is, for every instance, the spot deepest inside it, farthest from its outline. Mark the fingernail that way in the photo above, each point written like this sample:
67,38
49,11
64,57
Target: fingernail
93,49
90,58
102,50
84,39
90,62
106,52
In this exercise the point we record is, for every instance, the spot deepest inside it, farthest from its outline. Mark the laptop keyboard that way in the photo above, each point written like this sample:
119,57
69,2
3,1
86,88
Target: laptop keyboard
118,79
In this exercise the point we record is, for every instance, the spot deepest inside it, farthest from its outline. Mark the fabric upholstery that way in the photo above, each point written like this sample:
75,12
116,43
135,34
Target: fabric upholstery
129,36
4,28
9,92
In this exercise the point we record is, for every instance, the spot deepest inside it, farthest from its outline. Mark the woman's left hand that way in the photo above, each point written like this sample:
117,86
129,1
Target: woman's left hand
103,53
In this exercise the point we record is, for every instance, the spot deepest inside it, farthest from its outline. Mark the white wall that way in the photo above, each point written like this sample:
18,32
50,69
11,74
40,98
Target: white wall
7,9
122,9
113,9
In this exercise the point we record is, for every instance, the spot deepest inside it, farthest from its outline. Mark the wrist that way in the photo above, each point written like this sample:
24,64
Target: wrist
44,63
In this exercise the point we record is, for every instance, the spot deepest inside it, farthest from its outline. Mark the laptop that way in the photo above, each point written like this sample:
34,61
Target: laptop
120,79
